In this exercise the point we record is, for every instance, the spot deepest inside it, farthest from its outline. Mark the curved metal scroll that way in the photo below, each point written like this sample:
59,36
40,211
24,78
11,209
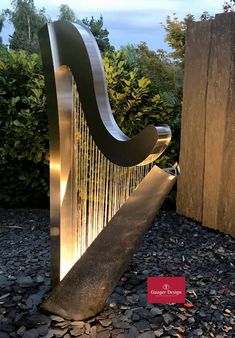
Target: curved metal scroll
65,44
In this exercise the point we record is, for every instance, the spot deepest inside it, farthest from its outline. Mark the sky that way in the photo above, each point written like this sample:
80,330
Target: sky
128,21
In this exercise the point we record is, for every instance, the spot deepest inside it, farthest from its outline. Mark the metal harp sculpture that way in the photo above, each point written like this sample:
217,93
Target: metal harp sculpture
88,256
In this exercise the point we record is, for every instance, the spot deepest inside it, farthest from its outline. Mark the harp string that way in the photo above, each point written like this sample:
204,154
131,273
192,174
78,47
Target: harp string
103,187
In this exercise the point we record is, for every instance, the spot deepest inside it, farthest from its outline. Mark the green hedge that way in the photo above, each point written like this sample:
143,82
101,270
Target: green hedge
24,134
24,171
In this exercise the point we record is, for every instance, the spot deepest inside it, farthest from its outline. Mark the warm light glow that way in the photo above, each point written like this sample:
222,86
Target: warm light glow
56,169
66,264
171,177
63,185
55,166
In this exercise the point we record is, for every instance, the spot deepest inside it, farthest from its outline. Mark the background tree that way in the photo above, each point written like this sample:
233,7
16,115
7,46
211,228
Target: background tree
165,75
66,13
27,21
95,25
175,35
100,33
229,6
1,26
176,32
156,66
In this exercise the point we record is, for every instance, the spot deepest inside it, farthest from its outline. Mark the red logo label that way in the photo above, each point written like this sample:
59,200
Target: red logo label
166,289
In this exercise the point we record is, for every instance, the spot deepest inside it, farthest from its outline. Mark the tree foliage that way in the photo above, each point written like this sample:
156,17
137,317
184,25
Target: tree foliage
96,26
27,21
100,33
157,66
165,86
66,13
24,136
1,26
135,104
176,33
229,6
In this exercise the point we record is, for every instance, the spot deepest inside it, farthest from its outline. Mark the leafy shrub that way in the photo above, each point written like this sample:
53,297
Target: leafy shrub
24,135
136,103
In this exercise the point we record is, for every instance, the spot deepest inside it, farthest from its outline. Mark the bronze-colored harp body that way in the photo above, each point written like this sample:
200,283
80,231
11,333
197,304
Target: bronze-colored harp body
97,214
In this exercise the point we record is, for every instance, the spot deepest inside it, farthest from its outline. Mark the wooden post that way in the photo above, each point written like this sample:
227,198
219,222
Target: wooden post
190,183
206,188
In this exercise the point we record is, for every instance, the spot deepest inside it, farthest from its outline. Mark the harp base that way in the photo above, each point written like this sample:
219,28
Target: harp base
82,293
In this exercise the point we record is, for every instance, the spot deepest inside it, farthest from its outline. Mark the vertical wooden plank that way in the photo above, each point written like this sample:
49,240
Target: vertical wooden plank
206,189
190,183
226,206
216,107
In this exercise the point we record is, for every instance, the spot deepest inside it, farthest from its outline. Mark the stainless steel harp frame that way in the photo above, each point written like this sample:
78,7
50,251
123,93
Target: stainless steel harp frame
71,51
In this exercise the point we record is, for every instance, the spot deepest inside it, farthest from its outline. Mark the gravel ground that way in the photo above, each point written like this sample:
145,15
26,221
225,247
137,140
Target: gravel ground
174,246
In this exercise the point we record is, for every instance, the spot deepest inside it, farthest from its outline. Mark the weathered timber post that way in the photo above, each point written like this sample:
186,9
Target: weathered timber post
206,189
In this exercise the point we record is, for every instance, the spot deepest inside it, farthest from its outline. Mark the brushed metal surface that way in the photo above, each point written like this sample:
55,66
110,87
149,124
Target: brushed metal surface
83,291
